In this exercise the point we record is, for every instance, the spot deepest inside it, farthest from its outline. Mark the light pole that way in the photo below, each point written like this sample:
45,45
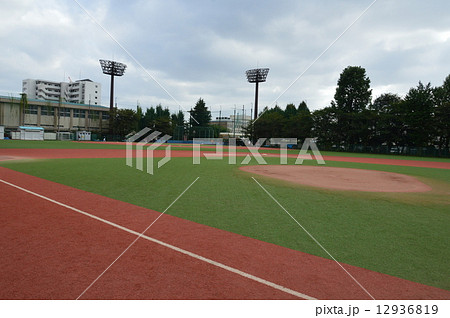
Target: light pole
257,75
114,69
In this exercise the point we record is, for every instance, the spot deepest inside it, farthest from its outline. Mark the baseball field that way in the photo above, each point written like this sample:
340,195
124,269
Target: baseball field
77,222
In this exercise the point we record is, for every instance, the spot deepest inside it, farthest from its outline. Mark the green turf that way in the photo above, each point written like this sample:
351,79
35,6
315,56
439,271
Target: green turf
405,235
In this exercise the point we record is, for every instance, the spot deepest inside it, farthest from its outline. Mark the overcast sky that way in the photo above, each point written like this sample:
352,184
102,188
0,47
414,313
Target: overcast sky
178,51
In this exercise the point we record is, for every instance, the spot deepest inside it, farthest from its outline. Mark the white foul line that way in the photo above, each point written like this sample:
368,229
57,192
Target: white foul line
172,247
137,238
314,239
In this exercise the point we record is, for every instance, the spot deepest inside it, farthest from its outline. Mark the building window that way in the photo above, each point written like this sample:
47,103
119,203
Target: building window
105,115
79,113
64,112
47,111
93,114
31,109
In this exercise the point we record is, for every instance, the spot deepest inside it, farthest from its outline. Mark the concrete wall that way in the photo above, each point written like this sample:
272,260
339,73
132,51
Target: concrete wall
10,115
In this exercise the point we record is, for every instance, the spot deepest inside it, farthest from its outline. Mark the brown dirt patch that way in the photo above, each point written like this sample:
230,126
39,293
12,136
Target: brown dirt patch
341,178
4,158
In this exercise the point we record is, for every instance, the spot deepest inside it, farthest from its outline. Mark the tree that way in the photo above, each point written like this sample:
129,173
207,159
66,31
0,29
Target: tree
385,102
299,123
302,107
290,110
387,123
290,123
178,119
325,126
124,122
420,119
162,120
277,109
140,117
200,115
353,95
442,115
270,124
149,118
157,119
353,91
178,125
419,104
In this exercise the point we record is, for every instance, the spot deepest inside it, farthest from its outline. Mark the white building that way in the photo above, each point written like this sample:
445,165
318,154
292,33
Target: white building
236,125
81,92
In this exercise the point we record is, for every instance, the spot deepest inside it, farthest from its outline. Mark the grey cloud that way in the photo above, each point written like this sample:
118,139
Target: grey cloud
202,48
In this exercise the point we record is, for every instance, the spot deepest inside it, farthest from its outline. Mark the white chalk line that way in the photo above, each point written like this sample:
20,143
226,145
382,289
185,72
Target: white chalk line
172,247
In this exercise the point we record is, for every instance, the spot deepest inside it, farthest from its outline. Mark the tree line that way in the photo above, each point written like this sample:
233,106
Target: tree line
125,121
352,122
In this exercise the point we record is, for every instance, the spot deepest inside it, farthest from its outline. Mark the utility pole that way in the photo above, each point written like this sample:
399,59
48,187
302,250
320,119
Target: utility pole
234,122
220,116
243,118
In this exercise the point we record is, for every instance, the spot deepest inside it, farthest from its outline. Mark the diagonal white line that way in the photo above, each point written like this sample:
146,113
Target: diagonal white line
172,247
320,55
132,57
314,239
137,238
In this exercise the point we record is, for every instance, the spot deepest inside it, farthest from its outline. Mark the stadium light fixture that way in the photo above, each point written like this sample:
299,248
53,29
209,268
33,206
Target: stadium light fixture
257,75
114,69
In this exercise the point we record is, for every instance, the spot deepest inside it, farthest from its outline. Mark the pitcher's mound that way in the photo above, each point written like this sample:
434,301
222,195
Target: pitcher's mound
341,178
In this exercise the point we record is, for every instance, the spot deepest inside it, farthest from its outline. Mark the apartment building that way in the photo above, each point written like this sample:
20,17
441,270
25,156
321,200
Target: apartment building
80,92
235,124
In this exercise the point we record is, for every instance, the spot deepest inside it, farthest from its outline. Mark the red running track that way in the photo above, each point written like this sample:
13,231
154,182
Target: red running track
50,251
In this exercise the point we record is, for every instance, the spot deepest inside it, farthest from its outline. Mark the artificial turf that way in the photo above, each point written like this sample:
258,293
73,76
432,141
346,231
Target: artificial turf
405,235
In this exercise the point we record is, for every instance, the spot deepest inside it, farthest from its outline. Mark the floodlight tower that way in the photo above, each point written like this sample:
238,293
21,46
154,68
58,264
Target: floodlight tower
257,75
114,69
